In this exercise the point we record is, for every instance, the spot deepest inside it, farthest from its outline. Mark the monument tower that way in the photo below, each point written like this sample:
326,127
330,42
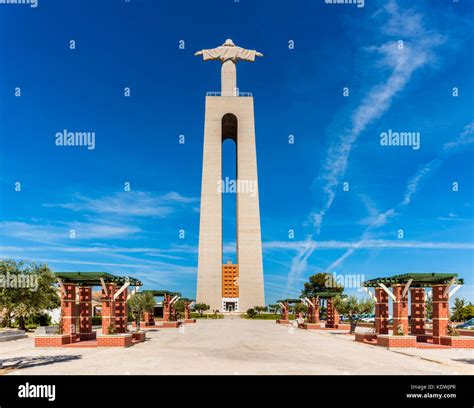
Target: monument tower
229,115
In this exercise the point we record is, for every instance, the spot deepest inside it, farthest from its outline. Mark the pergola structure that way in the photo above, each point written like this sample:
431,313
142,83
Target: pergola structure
169,312
76,309
443,285
285,309
314,304
188,303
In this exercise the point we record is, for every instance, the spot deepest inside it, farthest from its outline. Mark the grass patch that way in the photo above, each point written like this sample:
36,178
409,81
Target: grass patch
195,315
265,316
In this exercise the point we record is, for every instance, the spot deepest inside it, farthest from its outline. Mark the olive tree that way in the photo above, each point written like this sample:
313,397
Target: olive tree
353,308
140,303
25,289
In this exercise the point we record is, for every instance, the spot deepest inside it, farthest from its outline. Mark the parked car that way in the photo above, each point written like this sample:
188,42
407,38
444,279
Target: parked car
368,318
466,325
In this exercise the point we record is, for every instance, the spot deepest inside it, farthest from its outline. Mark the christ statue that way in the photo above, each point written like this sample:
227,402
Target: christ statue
229,54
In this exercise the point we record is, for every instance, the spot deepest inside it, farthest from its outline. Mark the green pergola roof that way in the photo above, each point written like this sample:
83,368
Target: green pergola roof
93,278
160,292
289,300
328,295
419,280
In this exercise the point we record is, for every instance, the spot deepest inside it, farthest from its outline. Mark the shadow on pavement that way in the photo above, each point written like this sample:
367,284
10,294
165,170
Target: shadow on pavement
27,362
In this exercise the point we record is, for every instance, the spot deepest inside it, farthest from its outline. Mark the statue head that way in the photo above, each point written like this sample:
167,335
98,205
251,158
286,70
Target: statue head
228,43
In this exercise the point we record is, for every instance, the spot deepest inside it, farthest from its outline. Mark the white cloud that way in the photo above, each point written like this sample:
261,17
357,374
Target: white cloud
299,262
48,232
305,246
129,204
402,63
413,183
465,138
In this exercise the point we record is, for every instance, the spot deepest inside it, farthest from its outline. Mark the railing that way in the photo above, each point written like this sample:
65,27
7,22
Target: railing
236,93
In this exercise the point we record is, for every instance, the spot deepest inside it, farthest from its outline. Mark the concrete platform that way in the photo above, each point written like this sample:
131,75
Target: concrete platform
10,335
238,346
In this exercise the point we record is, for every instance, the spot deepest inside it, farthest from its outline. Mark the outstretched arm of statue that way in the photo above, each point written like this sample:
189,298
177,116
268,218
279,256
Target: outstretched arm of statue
197,53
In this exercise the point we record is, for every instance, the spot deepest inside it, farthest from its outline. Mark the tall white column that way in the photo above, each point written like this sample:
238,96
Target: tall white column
228,78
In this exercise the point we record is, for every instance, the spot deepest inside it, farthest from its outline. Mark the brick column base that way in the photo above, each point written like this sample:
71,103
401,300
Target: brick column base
440,313
418,311
381,311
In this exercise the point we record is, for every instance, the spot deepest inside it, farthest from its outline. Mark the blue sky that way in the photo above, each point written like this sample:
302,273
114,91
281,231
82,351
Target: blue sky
297,91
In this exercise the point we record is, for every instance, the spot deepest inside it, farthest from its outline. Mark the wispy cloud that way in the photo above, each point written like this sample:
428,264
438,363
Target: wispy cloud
49,233
413,183
128,204
465,138
412,186
417,52
300,261
366,244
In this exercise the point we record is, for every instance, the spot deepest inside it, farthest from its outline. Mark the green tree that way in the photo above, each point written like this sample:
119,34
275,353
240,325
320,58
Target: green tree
179,307
274,308
260,309
201,308
320,282
140,303
429,308
300,308
28,289
468,312
353,308
251,313
458,310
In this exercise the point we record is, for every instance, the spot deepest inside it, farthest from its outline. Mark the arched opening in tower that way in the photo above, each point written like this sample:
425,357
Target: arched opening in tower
229,191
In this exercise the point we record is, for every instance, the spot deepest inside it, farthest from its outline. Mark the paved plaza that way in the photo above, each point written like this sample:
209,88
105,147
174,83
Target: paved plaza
235,346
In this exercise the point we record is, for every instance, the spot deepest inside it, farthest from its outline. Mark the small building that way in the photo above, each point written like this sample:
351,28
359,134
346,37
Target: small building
230,287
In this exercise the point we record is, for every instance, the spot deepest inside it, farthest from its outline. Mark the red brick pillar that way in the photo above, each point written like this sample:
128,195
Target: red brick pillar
440,312
316,309
149,318
85,313
69,309
418,311
381,311
332,314
313,310
400,309
108,307
285,313
166,308
121,319
187,312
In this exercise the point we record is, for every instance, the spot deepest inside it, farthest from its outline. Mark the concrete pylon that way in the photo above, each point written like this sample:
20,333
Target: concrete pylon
230,116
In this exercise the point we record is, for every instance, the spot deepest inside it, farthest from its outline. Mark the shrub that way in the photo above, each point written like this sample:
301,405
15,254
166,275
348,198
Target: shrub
96,320
111,329
452,331
39,319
